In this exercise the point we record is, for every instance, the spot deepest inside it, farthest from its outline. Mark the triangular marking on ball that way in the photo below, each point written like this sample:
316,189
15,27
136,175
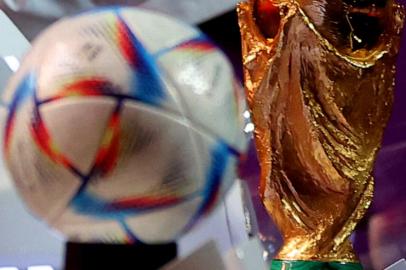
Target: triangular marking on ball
197,45
147,85
45,142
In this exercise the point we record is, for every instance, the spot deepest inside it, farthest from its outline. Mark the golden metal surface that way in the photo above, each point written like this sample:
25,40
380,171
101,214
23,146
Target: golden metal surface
320,108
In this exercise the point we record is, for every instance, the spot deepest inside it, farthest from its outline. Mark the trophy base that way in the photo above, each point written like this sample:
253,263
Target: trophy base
313,265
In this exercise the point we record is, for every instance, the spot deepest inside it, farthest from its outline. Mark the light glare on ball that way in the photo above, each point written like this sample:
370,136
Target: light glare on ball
123,125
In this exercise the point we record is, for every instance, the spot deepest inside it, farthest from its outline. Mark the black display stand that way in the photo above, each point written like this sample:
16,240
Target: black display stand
103,256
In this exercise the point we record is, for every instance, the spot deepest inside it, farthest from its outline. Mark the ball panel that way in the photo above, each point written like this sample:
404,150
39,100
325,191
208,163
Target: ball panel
153,146
79,135
87,51
165,224
44,184
201,72
156,31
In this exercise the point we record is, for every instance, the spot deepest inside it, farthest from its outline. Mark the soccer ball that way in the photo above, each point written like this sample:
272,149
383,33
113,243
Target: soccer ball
123,125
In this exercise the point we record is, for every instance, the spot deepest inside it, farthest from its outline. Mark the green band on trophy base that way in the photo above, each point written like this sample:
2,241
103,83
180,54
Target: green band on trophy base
313,265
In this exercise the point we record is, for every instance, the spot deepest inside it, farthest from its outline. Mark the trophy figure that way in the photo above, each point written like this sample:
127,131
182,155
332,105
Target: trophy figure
319,77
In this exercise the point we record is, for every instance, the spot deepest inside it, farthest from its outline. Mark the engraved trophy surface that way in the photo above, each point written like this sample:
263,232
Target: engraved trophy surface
319,77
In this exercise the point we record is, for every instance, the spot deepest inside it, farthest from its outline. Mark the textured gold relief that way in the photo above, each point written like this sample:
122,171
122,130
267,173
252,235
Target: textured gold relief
320,99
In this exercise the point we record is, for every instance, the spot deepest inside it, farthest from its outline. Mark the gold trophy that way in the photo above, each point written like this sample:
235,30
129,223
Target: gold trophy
319,77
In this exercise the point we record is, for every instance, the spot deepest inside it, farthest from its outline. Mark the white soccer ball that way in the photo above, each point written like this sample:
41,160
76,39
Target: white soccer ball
123,125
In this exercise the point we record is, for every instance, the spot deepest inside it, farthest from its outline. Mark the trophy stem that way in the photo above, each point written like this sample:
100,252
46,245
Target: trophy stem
81,256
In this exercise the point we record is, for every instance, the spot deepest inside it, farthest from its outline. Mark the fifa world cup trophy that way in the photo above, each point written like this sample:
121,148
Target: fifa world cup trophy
319,77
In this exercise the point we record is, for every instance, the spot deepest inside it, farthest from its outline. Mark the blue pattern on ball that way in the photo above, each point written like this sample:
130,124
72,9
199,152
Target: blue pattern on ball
220,154
24,90
146,83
